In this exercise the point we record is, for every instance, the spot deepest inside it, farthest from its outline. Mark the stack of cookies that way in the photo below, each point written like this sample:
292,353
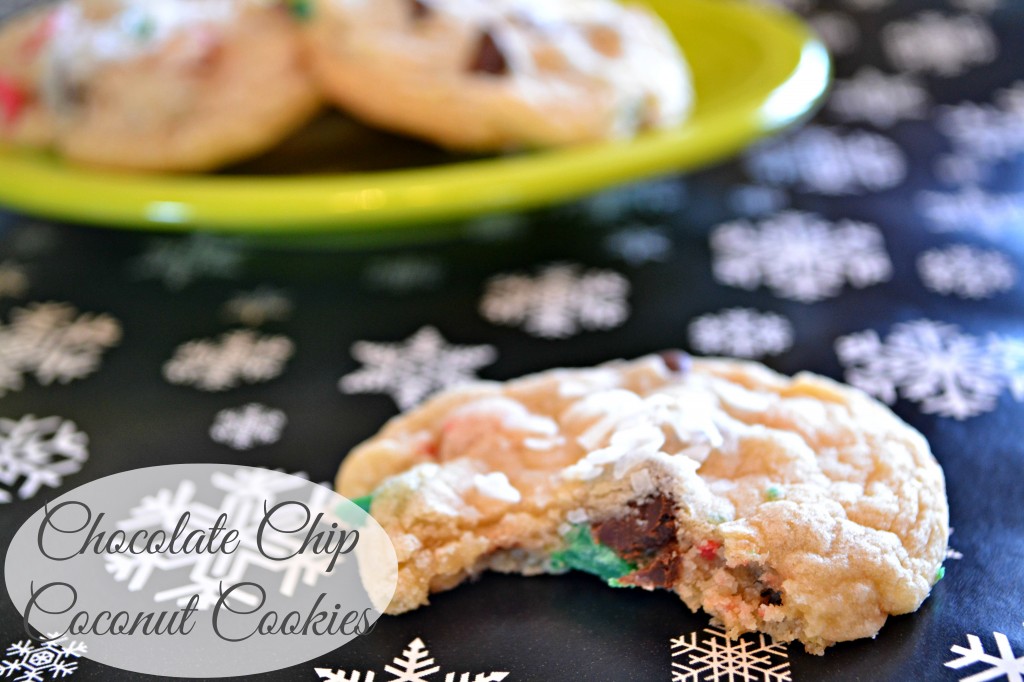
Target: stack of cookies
194,85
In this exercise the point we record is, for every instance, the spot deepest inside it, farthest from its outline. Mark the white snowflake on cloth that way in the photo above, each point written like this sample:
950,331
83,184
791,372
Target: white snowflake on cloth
741,333
38,452
755,200
972,210
987,133
245,427
256,307
242,496
177,262
639,245
411,370
35,659
54,343
240,356
879,99
414,665
560,301
935,43
799,256
1006,664
948,372
979,6
966,271
13,280
830,162
654,198
404,274
837,30
717,658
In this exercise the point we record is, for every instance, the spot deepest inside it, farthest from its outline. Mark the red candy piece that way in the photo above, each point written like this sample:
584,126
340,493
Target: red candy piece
709,549
12,101
39,37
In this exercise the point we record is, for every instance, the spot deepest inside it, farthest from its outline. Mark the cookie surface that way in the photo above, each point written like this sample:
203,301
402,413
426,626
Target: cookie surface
487,75
174,85
797,507
24,120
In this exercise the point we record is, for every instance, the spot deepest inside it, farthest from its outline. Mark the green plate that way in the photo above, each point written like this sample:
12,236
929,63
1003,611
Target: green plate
756,70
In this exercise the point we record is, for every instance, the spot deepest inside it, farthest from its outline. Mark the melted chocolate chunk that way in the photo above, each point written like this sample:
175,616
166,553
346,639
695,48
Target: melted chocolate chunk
772,597
642,532
419,9
663,572
677,361
488,57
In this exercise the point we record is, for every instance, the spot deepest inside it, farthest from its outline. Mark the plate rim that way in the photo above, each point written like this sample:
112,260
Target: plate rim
400,198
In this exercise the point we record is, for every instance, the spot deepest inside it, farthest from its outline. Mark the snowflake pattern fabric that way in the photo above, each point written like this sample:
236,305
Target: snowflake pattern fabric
237,357
13,280
948,372
939,44
412,370
711,656
241,496
257,307
799,256
414,665
881,100
51,658
965,271
829,161
741,333
562,300
972,209
179,262
246,427
1005,663
38,452
54,343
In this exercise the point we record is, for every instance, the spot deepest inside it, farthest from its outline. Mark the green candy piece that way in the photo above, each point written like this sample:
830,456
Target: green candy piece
300,9
940,574
584,554
364,502
773,493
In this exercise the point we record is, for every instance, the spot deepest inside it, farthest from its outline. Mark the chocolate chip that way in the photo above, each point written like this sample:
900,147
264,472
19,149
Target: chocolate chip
642,532
488,58
663,572
677,361
772,597
419,9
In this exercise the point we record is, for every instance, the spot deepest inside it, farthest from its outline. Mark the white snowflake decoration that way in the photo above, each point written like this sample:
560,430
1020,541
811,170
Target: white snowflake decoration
948,372
655,198
987,133
979,6
741,333
411,370
942,45
640,245
972,210
38,452
965,271
1005,664
54,343
755,200
799,256
837,30
178,262
245,427
717,658
13,280
879,99
237,357
830,162
242,496
254,308
34,660
560,301
404,274
414,665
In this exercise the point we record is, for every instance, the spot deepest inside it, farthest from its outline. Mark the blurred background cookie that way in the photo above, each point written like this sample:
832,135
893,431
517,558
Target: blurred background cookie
174,85
488,75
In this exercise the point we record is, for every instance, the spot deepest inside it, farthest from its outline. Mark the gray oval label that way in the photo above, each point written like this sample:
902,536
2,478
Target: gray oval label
201,570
